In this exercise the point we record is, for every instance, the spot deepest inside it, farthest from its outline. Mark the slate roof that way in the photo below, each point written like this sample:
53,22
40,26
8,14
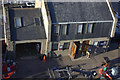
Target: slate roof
78,11
115,6
29,31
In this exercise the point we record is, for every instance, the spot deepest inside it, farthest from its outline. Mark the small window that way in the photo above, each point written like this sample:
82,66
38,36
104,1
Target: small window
66,45
56,29
18,22
79,28
54,46
63,29
89,28
37,21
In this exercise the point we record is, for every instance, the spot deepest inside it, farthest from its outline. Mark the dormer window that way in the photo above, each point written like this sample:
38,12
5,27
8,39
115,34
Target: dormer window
56,29
79,28
18,22
89,28
64,29
37,21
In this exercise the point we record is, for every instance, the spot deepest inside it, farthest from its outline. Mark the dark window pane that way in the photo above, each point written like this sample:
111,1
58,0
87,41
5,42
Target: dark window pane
37,21
22,22
68,29
66,45
89,28
56,29
54,46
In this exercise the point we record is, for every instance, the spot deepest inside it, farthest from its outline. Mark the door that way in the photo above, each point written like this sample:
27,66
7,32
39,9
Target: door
73,51
84,46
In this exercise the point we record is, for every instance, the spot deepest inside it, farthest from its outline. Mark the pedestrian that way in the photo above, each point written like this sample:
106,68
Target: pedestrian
88,54
38,48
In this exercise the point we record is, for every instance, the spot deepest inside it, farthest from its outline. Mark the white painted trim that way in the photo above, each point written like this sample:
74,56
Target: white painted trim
96,39
29,41
114,18
2,39
4,19
83,22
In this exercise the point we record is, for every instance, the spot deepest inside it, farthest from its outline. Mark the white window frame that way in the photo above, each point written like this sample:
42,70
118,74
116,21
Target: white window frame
35,21
64,27
89,27
20,22
79,28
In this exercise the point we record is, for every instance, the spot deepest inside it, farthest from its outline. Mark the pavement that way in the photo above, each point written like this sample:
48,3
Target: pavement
35,68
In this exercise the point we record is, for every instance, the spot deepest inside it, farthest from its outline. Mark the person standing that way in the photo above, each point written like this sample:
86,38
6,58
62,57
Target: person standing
88,54
38,48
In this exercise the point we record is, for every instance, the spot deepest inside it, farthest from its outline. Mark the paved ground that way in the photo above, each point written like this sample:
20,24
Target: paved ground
33,67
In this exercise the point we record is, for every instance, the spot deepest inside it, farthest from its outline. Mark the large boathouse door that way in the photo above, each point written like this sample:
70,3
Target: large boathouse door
73,51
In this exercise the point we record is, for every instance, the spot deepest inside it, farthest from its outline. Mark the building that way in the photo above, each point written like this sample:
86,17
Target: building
24,29
116,9
65,28
75,26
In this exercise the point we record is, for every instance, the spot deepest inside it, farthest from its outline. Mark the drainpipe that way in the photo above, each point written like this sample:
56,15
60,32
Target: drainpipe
4,20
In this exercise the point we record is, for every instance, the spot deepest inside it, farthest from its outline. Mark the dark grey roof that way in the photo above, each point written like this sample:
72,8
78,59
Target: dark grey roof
119,8
28,31
115,6
2,31
79,11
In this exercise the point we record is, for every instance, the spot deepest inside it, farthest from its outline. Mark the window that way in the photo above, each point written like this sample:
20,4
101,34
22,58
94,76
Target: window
56,29
89,28
66,45
54,46
18,22
79,28
63,29
37,21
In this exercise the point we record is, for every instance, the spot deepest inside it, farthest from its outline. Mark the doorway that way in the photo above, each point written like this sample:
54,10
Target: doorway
75,49
79,50
84,47
28,49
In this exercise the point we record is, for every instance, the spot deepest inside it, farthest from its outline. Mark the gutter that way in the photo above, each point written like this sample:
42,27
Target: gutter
105,21
114,19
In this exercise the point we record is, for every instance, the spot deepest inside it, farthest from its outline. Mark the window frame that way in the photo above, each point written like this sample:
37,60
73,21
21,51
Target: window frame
89,28
62,28
57,47
78,29
56,32
39,21
20,22
68,45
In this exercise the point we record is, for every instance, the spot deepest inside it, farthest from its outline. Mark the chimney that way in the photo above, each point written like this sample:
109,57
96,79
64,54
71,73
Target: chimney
38,3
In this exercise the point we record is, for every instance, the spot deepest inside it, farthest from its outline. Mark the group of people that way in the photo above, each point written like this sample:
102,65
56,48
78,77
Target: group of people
8,69
105,72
